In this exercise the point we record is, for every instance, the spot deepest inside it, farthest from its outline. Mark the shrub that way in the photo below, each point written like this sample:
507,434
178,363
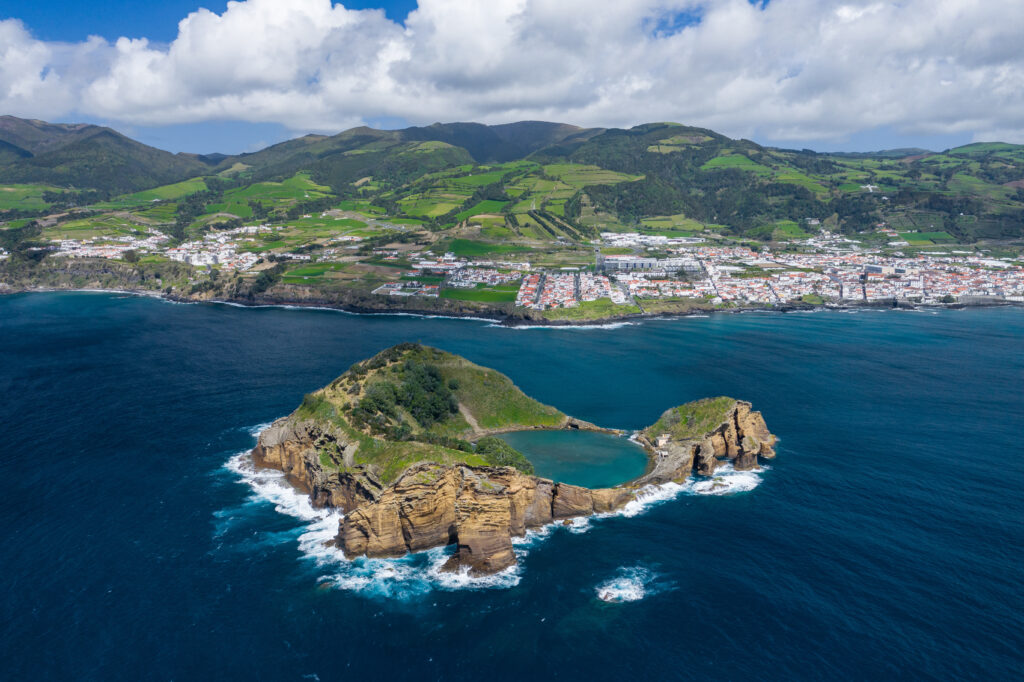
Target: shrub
499,453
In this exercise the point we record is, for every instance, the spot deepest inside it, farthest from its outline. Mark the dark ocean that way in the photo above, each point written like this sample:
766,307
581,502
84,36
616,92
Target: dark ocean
885,542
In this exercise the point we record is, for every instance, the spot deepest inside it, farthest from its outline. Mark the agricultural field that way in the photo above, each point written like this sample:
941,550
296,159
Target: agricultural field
164,193
24,197
926,238
795,177
477,180
93,227
677,143
270,194
468,248
962,183
433,203
671,225
488,206
498,294
497,232
737,161
579,176
917,221
159,213
788,230
360,206
312,271
591,310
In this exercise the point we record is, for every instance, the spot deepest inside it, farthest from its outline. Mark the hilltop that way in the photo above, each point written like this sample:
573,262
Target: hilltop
406,404
557,180
525,222
83,156
404,444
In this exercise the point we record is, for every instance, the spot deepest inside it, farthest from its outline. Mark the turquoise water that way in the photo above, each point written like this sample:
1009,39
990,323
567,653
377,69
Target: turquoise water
593,460
885,542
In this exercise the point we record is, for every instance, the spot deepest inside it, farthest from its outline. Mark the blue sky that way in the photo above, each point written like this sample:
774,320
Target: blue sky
73,20
825,75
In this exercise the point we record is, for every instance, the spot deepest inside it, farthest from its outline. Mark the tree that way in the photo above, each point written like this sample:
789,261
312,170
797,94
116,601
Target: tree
131,256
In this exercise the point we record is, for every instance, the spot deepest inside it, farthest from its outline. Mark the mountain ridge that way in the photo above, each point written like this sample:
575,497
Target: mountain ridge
696,175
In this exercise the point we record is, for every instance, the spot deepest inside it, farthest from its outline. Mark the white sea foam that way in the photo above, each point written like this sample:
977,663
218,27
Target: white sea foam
396,578
726,481
579,525
420,573
629,584
578,327
289,306
255,431
647,497
270,485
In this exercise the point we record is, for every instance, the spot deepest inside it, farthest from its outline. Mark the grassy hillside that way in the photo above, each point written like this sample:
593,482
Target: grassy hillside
411,403
691,420
533,182
102,159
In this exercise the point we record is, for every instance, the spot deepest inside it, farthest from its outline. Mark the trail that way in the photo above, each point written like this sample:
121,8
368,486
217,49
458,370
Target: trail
470,419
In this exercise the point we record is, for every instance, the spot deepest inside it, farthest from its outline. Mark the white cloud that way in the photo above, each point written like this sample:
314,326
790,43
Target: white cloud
795,69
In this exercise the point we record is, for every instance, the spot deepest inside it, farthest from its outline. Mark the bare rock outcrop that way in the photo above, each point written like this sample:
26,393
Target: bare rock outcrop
295,448
741,438
478,509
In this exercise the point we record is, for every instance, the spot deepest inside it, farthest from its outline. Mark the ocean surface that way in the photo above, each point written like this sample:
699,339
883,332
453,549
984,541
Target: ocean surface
885,542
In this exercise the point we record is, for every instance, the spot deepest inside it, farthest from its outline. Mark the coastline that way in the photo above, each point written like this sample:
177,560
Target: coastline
502,318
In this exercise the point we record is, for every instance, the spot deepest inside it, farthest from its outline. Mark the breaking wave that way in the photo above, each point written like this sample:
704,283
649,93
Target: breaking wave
629,584
725,481
585,327
421,572
408,576
290,306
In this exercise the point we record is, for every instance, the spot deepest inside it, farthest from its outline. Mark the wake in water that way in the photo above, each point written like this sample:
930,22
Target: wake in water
420,573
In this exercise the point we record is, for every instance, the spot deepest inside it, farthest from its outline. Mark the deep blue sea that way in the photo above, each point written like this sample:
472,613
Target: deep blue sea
885,542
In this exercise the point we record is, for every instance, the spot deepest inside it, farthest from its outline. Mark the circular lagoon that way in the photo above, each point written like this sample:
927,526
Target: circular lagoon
585,458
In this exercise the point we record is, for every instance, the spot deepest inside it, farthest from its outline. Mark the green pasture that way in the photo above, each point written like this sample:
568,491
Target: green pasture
469,249
578,176
481,294
24,197
486,206
737,161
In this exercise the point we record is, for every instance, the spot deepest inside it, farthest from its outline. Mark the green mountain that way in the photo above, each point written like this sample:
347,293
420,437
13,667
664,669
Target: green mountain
86,157
539,180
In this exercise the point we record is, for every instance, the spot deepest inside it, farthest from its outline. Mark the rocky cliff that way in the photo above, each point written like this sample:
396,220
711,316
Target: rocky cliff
401,496
702,436
478,509
318,458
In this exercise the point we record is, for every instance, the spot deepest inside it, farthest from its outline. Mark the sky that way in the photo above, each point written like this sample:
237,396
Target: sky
218,76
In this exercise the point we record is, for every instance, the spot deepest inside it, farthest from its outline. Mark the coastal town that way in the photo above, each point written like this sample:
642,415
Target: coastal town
824,269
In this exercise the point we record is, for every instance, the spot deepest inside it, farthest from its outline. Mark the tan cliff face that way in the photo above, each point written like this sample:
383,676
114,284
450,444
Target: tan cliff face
741,438
294,447
480,509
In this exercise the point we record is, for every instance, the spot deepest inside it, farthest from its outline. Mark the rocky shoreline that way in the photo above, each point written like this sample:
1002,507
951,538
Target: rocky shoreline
480,509
503,318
